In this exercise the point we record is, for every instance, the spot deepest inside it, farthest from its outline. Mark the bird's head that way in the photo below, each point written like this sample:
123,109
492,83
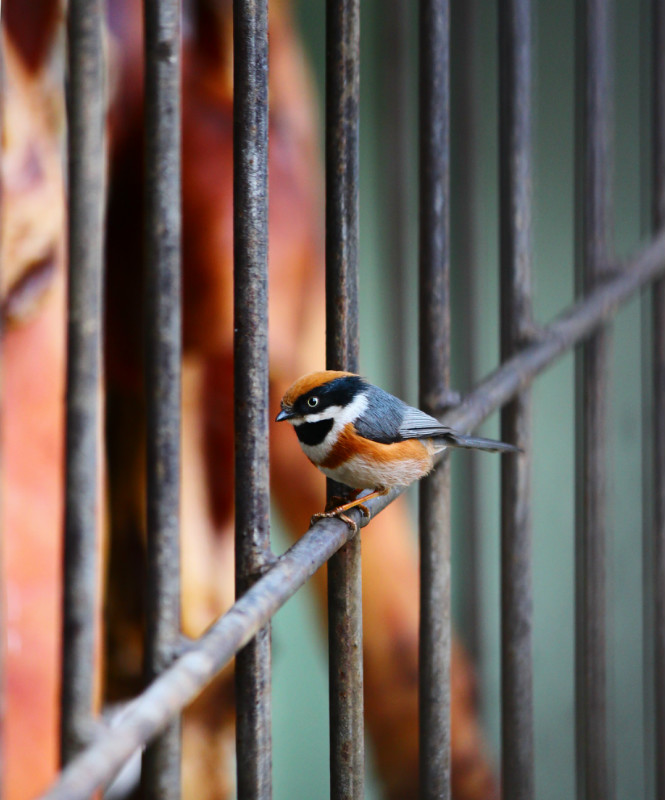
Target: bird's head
326,395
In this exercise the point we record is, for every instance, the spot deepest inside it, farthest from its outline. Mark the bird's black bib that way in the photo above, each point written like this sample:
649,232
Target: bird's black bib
313,433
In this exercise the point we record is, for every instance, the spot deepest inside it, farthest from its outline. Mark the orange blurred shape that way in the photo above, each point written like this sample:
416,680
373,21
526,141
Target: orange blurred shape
32,427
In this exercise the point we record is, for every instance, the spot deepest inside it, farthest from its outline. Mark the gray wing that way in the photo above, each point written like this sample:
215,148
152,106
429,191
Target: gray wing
418,425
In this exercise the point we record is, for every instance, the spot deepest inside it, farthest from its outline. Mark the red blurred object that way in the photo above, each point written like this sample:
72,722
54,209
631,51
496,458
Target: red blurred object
33,369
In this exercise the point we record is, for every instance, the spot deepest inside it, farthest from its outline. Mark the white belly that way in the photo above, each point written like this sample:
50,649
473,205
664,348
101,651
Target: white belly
361,474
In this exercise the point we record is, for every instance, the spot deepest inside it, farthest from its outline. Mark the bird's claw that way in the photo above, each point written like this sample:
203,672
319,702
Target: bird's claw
336,506
340,515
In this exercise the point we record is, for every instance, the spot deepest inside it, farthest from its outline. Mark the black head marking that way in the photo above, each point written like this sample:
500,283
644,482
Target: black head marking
338,392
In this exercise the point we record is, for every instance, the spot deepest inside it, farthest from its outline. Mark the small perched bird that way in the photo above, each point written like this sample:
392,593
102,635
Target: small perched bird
361,436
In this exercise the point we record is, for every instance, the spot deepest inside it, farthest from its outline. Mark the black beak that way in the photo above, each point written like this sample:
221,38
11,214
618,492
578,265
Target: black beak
285,413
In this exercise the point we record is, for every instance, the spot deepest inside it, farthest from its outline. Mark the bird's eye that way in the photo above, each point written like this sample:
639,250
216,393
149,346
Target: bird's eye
313,402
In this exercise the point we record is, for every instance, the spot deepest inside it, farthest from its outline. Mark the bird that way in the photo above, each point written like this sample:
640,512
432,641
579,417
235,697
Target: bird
365,438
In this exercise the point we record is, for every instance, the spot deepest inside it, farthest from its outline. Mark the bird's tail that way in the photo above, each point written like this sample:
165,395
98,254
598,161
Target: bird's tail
478,443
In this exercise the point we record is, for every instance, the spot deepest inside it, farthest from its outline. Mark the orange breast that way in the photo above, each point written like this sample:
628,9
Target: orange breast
363,463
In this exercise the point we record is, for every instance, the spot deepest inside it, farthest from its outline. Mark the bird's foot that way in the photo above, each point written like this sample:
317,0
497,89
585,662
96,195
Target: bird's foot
336,506
340,515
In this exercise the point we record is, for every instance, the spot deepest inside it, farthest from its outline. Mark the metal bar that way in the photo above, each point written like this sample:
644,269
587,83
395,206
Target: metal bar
515,180
147,715
342,108
594,242
252,489
161,761
658,389
86,160
347,757
434,366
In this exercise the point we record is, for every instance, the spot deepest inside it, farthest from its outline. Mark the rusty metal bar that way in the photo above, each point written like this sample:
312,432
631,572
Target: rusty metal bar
434,367
592,361
342,99
147,715
252,488
86,160
347,757
161,761
656,515
151,711
515,181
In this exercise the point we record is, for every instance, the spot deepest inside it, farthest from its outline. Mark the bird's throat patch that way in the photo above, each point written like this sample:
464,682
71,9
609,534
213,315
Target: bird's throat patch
313,433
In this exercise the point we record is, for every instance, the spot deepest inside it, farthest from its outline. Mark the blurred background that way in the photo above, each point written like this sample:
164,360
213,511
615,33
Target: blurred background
474,239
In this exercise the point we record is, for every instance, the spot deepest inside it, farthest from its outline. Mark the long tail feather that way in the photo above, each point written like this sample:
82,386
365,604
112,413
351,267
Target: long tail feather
478,443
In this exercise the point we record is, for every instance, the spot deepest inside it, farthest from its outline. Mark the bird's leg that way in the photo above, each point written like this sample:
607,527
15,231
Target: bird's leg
337,500
356,502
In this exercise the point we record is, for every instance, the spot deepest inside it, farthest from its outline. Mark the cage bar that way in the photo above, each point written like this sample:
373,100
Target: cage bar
347,757
592,361
161,761
252,487
86,164
657,513
515,181
434,383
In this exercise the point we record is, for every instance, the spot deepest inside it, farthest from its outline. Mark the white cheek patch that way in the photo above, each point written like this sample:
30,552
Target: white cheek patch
330,413
341,416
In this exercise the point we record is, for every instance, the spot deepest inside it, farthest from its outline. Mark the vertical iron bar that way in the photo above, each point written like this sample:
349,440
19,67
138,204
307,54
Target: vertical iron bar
342,98
592,360
86,160
515,181
658,418
252,489
161,760
347,757
434,382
